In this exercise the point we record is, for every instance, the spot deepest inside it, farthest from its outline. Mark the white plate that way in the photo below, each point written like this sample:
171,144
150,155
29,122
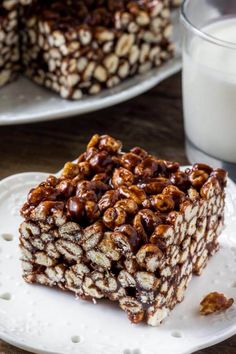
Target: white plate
25,102
45,320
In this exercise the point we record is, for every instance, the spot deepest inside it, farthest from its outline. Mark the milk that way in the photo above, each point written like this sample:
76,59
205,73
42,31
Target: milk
209,87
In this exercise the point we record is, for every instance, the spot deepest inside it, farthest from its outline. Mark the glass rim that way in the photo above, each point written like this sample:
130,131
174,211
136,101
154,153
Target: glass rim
192,27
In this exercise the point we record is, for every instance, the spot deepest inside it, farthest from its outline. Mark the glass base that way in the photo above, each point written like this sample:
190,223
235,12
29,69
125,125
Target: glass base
195,155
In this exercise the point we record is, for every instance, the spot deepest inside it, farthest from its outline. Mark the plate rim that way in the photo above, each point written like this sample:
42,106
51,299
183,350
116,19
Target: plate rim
96,103
8,339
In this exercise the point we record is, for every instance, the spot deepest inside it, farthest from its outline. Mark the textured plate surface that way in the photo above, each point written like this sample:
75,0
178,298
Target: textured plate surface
45,320
24,102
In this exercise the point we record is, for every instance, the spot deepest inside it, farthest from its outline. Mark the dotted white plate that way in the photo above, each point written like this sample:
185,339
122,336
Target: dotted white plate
45,320
25,102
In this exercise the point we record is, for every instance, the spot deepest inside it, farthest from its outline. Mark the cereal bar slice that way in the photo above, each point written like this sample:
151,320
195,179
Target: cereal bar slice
9,41
126,226
77,48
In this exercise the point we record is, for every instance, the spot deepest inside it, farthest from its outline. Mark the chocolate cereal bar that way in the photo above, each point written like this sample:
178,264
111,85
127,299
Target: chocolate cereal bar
78,47
126,226
9,41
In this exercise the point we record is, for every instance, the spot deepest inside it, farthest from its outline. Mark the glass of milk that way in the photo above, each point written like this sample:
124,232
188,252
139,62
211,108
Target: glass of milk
209,81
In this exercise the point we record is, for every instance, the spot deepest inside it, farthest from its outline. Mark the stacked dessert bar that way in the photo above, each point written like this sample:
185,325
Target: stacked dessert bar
81,47
9,41
125,226
76,47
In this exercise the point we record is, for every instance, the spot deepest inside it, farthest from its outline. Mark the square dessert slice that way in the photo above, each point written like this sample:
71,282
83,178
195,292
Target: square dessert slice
77,47
9,41
128,227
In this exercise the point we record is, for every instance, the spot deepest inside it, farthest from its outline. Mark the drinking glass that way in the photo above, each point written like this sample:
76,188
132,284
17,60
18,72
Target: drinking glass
209,81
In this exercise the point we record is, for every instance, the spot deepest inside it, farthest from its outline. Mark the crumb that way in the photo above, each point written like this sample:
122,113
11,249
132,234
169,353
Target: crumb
215,302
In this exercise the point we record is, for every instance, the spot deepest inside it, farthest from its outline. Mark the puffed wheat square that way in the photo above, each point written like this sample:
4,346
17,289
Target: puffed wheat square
128,227
77,47
9,41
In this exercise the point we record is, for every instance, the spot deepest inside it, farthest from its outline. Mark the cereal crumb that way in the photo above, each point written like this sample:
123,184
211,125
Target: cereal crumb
215,302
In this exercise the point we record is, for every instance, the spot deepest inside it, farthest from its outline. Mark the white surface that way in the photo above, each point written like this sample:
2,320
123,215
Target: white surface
45,320
209,82
25,102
